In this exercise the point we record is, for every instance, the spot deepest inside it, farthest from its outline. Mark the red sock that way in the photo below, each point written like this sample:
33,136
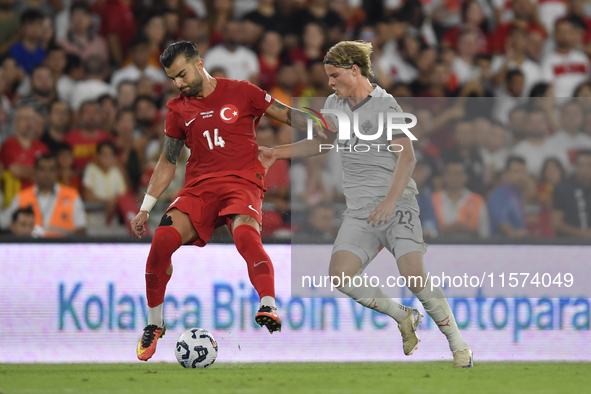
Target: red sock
260,268
165,242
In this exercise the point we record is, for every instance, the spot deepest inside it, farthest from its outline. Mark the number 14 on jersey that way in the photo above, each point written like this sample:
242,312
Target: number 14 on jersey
217,140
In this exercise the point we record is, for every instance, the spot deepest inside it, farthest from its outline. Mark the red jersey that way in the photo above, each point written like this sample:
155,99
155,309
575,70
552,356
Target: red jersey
84,148
220,131
116,18
12,152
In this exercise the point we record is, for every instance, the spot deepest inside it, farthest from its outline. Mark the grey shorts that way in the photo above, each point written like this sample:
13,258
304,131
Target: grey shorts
402,234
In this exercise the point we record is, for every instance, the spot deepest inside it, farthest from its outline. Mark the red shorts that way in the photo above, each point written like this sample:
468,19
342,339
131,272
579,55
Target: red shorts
212,202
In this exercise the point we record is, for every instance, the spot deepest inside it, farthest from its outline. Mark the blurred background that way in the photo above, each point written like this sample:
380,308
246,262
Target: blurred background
501,89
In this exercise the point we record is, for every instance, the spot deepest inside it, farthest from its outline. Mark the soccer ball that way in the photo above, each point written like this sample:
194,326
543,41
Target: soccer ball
196,348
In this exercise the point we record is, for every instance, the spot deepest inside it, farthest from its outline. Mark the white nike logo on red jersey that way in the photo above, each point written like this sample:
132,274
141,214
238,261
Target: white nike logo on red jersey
250,206
189,122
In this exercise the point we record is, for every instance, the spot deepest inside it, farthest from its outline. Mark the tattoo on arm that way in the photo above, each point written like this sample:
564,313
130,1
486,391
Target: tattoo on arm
172,148
294,117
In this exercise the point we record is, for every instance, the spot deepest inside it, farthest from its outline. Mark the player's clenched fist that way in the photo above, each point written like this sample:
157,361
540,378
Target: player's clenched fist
137,224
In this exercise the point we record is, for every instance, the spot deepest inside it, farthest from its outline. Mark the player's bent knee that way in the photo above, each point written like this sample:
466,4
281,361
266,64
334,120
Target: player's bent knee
343,264
241,220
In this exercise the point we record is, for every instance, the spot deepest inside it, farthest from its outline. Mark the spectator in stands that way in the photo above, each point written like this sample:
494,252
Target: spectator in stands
140,57
572,201
145,114
505,204
317,81
509,95
5,105
494,152
276,179
552,174
536,148
422,174
318,12
397,65
155,32
82,39
535,45
566,67
9,23
472,19
29,52
108,112
93,86
57,61
464,65
146,87
42,90
267,18
219,12
85,139
425,62
542,96
126,95
103,181
570,138
18,154
65,167
118,26
131,147
269,60
23,222
439,82
239,62
459,211
195,30
583,95
445,15
320,225
466,151
312,182
58,209
172,23
286,84
515,58
58,124
312,48
524,17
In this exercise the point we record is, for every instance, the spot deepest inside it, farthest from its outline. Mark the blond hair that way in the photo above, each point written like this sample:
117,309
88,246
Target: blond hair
347,53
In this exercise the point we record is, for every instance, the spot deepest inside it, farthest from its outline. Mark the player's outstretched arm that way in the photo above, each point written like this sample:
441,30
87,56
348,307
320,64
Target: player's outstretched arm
160,180
299,120
402,174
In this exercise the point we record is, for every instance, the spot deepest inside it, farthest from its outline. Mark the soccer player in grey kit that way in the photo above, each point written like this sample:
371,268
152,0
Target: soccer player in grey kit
380,195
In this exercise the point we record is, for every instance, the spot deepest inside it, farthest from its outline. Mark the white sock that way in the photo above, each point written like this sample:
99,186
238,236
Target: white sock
375,298
155,315
268,301
437,307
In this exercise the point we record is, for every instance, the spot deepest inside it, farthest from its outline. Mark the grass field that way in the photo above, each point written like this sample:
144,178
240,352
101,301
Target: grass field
156,378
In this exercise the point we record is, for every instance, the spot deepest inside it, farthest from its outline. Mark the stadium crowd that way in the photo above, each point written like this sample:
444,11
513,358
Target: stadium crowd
501,89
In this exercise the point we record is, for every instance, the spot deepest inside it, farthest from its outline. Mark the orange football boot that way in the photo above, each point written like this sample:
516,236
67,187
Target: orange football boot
147,345
267,316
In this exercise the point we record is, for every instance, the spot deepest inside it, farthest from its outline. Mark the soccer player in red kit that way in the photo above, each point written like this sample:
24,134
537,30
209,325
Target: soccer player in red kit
216,118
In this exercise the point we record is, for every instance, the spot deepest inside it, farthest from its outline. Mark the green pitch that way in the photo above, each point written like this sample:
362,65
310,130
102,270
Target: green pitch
354,378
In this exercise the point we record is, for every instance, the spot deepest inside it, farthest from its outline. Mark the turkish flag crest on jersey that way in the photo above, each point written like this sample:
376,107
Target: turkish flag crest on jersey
229,113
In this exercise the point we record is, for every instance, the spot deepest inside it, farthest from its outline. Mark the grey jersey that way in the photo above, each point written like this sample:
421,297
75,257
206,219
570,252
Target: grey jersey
367,176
